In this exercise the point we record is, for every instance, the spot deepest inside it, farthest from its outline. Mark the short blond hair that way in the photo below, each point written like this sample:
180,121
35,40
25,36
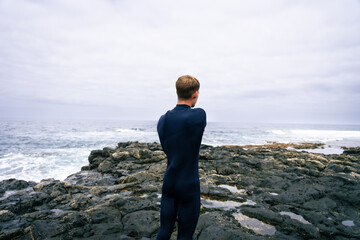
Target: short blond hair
186,86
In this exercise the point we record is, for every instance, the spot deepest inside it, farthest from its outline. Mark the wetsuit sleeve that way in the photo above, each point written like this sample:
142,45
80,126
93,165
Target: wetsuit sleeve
202,113
205,122
160,130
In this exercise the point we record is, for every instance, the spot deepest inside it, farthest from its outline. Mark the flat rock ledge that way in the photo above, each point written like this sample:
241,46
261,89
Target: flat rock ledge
272,191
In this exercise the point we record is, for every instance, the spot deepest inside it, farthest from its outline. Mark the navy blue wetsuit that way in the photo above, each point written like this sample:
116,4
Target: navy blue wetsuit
180,131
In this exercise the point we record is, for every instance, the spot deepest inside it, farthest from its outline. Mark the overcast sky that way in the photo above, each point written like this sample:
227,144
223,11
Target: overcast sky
257,61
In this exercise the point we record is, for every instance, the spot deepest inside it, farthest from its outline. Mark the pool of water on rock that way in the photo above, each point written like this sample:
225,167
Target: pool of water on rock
225,205
233,189
254,224
348,223
295,216
257,226
325,150
273,193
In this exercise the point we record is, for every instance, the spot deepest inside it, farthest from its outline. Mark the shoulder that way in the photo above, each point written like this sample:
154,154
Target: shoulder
198,116
161,120
199,111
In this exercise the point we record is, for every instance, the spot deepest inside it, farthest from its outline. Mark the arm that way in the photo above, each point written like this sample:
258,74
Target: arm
160,130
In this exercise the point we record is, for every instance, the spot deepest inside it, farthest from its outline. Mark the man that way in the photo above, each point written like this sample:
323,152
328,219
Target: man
180,132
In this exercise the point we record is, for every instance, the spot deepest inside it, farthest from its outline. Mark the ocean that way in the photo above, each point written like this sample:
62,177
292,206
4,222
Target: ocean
35,150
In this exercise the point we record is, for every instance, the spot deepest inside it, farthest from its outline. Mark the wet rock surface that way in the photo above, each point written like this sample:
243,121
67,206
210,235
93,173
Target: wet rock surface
248,192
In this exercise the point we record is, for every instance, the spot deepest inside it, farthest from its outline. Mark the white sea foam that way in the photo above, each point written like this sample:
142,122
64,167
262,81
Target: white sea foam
12,192
278,132
124,130
48,163
324,135
8,194
35,150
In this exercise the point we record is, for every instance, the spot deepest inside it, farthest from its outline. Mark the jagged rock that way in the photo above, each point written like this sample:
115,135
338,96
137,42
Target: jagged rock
225,170
42,229
92,178
14,184
6,215
11,233
76,219
106,166
215,226
117,196
108,229
263,215
142,223
120,156
322,204
351,150
93,154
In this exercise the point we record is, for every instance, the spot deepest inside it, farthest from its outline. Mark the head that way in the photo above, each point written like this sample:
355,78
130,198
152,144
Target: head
187,89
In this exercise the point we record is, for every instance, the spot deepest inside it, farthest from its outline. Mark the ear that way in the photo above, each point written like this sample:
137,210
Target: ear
195,94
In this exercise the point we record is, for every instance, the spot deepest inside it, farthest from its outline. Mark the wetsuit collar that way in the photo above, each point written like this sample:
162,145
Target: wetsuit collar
182,106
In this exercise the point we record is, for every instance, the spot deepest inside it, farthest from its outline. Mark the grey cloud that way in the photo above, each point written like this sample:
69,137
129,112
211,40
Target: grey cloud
128,54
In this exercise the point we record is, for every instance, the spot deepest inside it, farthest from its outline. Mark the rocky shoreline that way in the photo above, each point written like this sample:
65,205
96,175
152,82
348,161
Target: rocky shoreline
272,191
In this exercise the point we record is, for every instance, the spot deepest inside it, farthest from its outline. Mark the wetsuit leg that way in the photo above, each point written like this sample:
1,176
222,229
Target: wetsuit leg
189,210
167,217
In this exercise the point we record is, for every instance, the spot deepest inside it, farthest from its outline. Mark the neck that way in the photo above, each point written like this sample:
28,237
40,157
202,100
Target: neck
187,102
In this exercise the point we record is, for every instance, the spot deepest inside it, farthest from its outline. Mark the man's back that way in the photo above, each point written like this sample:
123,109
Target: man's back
180,131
